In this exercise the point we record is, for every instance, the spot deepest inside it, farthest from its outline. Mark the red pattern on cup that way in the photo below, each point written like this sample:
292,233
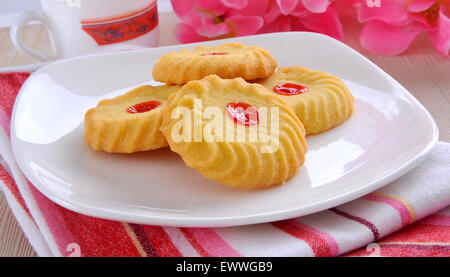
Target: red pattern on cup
122,28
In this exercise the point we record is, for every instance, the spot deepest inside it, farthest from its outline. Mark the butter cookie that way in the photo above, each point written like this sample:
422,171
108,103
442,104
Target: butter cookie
128,123
228,61
234,132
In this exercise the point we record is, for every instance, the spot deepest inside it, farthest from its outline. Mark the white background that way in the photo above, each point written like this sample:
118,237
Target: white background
15,6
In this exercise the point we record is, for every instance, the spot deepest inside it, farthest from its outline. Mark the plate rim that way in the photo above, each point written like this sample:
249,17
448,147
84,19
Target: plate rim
180,221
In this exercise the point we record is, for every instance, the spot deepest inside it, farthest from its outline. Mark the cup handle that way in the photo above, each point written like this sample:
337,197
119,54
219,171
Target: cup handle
17,30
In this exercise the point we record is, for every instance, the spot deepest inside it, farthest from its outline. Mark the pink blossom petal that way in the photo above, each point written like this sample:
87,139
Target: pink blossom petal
348,3
441,38
381,38
186,34
215,6
192,18
416,6
281,24
284,24
390,11
327,23
256,7
287,6
272,14
213,30
316,6
422,22
245,25
296,25
182,7
300,11
235,4
207,19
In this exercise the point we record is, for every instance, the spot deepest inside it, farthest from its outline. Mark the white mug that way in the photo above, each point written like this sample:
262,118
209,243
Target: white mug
79,27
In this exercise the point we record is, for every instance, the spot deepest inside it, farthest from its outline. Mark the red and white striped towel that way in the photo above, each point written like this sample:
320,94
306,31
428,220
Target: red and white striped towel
416,204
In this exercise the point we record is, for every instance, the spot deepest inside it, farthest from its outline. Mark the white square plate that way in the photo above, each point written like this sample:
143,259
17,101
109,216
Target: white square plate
389,133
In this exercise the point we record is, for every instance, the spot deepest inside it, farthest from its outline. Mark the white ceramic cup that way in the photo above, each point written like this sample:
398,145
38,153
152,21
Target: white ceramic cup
80,27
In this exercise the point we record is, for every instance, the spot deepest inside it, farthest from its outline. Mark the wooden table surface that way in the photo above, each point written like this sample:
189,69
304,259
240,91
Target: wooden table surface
421,70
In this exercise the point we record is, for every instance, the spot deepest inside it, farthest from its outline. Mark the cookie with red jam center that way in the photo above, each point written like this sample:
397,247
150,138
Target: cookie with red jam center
130,122
321,100
234,132
228,61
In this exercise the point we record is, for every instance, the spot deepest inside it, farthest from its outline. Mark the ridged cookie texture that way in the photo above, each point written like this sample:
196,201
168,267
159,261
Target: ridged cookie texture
111,128
326,103
228,61
225,158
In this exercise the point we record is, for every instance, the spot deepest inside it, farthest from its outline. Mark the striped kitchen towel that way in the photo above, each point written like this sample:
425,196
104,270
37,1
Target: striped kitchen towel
409,217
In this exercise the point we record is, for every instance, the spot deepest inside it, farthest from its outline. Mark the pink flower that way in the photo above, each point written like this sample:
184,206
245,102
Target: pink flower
390,28
213,19
303,15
